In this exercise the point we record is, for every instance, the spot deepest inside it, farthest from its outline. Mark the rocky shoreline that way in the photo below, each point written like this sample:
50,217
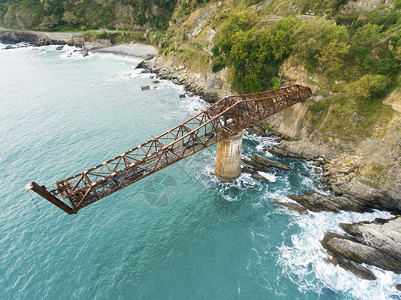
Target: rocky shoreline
376,243
10,36
207,86
339,173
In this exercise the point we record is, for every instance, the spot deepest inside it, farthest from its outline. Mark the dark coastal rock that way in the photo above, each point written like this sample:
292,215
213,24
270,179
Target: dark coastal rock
398,286
209,96
318,202
374,243
260,163
15,37
182,96
145,88
259,160
84,52
179,77
303,150
377,197
257,176
352,266
292,206
257,130
247,168
60,48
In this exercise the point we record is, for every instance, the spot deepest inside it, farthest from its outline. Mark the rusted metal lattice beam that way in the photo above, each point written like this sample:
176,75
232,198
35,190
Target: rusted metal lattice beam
222,119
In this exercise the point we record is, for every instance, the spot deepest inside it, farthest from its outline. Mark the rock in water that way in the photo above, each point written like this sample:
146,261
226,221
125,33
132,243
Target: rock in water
60,48
257,176
145,88
263,161
84,52
292,206
374,243
318,202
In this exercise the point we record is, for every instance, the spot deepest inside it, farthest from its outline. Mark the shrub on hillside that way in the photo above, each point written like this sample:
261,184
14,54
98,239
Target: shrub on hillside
369,86
321,45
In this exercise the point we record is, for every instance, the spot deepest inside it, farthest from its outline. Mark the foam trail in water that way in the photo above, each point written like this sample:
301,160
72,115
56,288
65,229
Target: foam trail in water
115,56
268,176
303,259
263,143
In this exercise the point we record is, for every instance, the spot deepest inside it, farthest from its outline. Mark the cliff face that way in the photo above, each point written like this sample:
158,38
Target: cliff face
332,122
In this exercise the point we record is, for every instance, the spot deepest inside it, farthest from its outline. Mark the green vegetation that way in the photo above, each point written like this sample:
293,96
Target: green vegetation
188,6
353,57
348,117
329,7
86,14
358,57
322,46
254,56
369,86
374,177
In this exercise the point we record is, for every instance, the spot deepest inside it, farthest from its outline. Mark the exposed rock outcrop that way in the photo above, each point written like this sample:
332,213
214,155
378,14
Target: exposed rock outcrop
259,160
318,202
292,206
210,86
374,243
348,202
10,36
259,163
304,150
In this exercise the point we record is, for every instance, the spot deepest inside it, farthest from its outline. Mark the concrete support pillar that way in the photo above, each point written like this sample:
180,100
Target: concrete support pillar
228,158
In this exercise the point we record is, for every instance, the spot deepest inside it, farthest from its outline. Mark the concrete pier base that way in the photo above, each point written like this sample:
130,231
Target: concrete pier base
228,158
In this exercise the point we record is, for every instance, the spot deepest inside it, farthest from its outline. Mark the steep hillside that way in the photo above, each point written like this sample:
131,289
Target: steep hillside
349,52
87,14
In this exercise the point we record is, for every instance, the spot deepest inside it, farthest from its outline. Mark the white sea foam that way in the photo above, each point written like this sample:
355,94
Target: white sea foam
263,142
71,53
270,177
115,56
193,105
17,47
303,261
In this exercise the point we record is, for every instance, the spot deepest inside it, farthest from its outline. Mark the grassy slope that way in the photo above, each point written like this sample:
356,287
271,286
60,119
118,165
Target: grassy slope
339,113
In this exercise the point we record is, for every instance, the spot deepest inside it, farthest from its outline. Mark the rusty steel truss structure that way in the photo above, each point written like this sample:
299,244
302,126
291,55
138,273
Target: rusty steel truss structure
222,119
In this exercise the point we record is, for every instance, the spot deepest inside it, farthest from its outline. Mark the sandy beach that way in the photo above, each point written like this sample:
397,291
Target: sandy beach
133,49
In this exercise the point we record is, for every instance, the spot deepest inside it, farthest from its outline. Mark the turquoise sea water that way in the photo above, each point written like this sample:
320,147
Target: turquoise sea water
179,234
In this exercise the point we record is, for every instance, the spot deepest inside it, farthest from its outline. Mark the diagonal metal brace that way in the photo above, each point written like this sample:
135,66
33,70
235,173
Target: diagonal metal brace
42,191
